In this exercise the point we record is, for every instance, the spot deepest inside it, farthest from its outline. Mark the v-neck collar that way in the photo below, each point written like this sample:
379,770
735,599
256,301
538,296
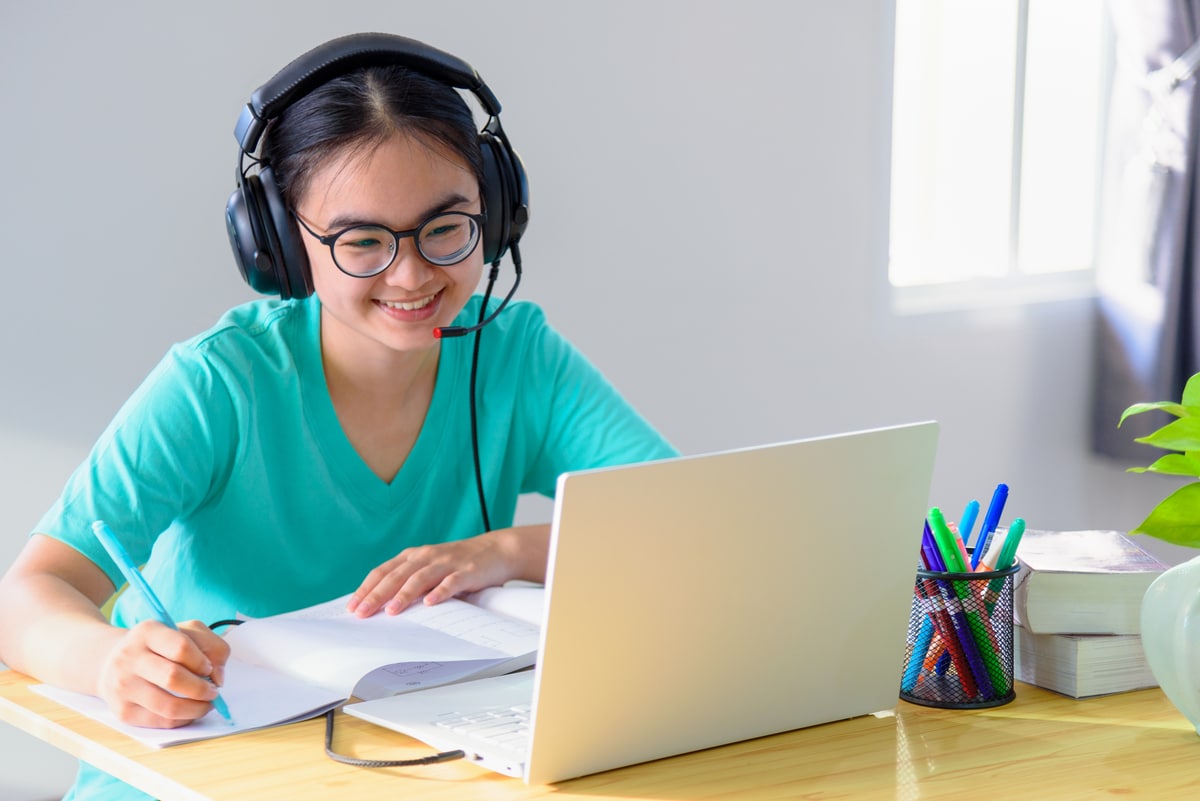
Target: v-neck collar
358,480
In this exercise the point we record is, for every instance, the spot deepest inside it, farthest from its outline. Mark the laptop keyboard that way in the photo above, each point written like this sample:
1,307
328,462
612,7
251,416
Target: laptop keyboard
505,726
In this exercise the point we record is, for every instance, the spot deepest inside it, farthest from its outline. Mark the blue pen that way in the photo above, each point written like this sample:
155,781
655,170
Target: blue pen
990,521
138,582
968,521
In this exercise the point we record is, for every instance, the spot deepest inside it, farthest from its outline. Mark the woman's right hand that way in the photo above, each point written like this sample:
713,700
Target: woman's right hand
52,628
158,677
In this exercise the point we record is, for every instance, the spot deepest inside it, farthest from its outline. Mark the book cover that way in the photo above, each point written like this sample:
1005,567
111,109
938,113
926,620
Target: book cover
1082,582
1082,665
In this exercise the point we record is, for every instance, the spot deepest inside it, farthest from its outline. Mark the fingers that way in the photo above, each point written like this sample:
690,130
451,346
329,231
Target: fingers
367,599
452,584
441,571
399,582
139,702
156,676
211,648
435,572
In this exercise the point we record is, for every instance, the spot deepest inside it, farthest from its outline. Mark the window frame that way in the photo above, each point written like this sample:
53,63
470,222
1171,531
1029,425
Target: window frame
1015,286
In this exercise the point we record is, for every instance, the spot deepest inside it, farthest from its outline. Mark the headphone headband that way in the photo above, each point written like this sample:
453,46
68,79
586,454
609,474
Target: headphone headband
346,54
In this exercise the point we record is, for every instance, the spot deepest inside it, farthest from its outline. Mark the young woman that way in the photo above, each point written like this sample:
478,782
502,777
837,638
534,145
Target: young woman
309,447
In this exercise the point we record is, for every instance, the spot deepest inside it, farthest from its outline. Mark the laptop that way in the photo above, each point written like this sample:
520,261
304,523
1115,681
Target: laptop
702,600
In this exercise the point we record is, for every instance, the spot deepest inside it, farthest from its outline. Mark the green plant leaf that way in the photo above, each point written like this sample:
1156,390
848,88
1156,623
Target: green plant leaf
1191,391
1176,519
1178,435
1177,409
1175,464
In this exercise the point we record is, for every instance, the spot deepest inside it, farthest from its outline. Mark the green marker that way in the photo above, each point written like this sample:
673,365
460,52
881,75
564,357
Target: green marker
945,542
1008,552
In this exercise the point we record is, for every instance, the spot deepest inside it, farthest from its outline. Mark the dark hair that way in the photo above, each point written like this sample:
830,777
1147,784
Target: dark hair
361,110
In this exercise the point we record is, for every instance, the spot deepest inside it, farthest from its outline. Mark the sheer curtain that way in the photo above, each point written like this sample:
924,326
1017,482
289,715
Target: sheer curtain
1148,326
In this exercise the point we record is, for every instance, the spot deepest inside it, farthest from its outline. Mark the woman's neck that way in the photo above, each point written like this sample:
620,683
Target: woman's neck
381,397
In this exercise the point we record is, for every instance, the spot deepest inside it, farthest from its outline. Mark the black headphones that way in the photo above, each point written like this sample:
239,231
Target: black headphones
266,240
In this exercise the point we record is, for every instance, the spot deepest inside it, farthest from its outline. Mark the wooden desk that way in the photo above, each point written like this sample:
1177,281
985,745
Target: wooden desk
1043,745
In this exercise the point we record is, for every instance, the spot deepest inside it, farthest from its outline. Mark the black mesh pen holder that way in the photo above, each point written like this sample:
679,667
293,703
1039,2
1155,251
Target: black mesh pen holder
959,650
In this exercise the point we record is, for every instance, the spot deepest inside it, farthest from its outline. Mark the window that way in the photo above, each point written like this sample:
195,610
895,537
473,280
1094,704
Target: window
998,121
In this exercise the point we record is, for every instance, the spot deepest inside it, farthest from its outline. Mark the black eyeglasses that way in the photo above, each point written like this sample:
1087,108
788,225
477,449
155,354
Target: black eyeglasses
362,251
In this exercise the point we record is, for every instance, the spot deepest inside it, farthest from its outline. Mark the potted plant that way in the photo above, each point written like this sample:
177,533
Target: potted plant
1171,606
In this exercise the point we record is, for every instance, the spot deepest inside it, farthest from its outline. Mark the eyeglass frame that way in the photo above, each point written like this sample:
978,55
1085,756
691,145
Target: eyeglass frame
328,240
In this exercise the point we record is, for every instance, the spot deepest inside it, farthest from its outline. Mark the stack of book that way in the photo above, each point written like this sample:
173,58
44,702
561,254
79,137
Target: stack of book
1077,608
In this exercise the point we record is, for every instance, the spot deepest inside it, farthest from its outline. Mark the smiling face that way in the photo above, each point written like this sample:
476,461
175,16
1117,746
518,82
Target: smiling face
399,184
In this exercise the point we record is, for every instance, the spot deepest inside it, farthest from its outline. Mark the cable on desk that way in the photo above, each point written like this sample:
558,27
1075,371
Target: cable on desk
445,756
433,759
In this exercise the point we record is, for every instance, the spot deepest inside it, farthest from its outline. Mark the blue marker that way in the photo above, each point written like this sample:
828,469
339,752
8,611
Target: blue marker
138,582
990,521
968,521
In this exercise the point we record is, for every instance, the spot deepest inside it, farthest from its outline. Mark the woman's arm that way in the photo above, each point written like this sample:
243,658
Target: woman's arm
51,628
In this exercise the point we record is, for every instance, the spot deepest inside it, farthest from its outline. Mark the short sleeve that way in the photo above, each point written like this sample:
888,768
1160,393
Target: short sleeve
585,421
161,457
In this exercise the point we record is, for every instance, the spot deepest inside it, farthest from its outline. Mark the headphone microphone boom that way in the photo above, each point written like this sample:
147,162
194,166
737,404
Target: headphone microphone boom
450,331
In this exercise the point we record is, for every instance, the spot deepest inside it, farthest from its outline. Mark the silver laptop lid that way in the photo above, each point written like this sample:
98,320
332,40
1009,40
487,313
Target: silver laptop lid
703,600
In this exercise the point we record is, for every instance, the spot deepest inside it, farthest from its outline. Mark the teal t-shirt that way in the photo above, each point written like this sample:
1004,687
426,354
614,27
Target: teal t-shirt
228,475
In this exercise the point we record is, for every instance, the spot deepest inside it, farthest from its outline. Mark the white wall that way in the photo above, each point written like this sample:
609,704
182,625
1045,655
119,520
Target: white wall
709,186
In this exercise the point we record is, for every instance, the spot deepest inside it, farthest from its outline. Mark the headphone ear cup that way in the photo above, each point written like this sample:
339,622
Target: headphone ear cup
265,239
495,227
292,269
505,195
243,223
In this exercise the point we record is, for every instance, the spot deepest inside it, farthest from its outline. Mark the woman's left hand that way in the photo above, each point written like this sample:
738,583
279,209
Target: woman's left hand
446,569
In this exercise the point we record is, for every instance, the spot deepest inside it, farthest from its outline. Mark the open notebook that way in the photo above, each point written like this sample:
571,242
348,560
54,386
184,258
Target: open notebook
703,600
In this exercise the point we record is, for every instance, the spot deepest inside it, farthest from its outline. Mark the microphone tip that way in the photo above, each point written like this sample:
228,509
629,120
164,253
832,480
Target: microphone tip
437,333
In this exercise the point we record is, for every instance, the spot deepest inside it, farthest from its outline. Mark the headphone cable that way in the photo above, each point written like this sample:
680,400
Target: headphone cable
487,294
432,759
